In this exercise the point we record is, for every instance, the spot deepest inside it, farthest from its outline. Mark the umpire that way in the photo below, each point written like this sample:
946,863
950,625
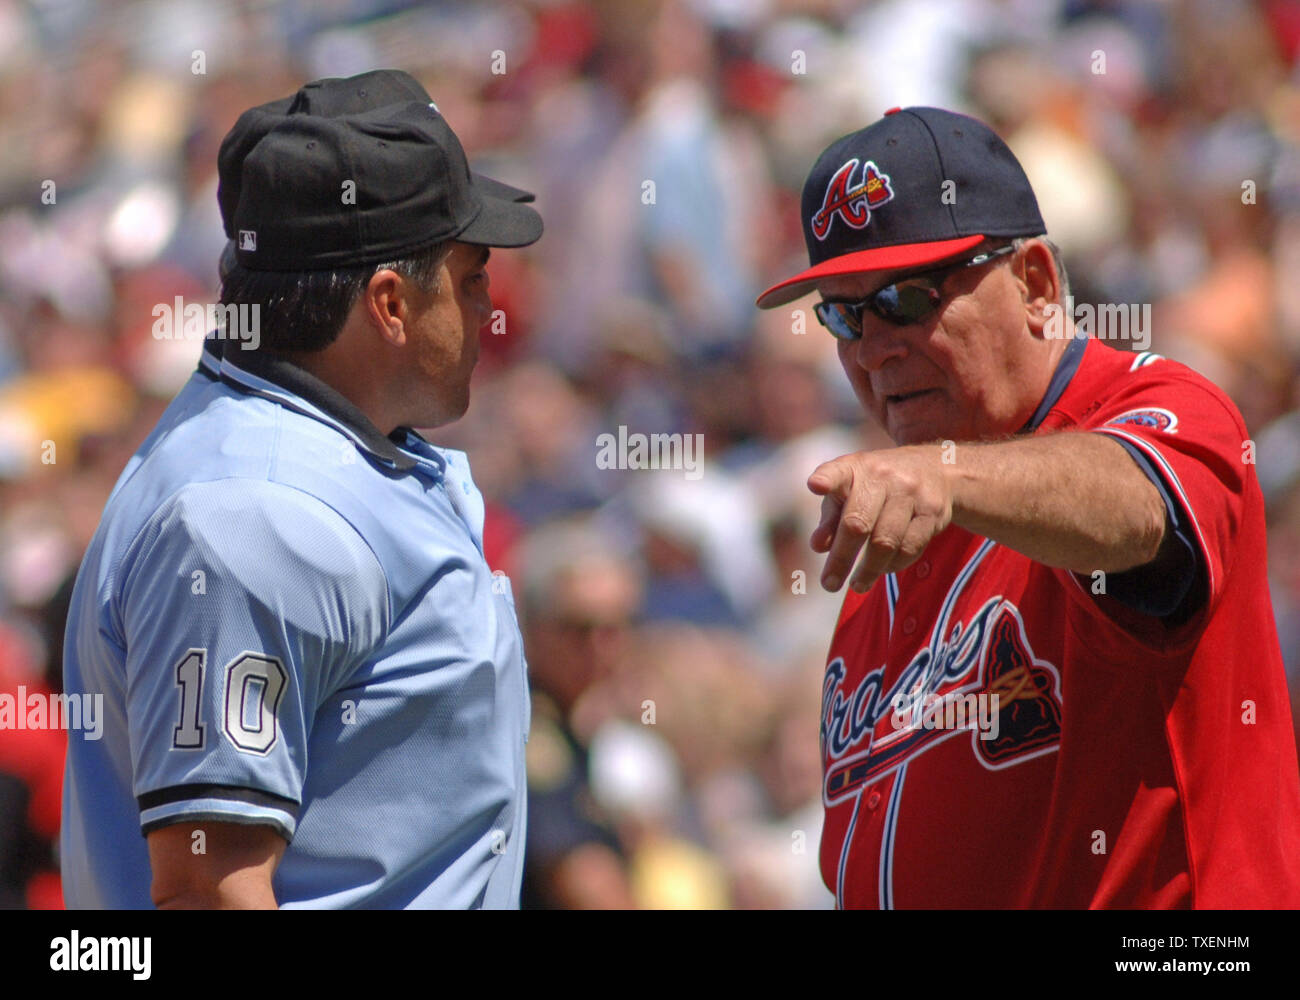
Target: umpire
315,691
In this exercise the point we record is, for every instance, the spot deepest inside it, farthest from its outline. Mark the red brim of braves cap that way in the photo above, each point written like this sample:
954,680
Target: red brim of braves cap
863,262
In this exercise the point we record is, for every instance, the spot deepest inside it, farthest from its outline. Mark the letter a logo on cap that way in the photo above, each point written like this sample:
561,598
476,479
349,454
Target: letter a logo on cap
851,202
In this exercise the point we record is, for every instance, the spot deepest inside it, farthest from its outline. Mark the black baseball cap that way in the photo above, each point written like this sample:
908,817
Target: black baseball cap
880,198
356,170
329,98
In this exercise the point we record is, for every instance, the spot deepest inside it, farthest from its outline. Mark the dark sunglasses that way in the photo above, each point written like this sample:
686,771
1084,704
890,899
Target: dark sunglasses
906,301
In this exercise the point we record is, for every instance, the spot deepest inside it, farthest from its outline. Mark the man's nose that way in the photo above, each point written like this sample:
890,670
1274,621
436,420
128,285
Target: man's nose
878,346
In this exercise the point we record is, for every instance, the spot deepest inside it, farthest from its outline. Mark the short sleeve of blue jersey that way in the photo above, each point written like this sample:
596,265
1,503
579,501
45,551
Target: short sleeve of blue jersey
242,604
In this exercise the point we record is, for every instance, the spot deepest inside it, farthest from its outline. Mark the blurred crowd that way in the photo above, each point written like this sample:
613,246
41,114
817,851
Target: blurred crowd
675,629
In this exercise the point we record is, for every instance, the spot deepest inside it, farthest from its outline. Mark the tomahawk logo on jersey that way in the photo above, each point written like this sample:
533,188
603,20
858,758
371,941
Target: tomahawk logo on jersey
1135,746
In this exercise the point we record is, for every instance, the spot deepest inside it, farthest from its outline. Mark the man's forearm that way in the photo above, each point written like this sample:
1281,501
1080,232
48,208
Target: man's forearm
214,866
1075,500
241,897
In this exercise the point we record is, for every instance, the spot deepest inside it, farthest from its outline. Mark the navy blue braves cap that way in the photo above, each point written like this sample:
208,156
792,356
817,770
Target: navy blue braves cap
319,192
331,97
880,198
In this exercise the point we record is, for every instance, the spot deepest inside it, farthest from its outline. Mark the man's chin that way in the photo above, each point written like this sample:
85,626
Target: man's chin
443,415
916,421
455,414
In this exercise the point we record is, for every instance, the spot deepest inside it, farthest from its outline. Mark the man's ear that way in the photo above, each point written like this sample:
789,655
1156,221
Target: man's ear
385,306
1040,286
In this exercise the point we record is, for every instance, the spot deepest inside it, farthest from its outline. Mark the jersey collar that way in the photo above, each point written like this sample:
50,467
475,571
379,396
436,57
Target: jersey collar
210,359
275,378
1065,369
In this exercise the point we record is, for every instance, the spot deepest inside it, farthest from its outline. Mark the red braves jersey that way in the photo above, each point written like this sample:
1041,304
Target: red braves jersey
1126,762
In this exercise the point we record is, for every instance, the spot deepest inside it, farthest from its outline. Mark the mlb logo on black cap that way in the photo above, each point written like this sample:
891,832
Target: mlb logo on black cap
248,240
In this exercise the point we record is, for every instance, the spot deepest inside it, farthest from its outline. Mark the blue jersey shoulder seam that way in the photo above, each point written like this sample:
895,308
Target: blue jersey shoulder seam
165,505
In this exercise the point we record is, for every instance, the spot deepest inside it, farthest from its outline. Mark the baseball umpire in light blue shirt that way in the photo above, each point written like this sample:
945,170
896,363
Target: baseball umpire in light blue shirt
314,686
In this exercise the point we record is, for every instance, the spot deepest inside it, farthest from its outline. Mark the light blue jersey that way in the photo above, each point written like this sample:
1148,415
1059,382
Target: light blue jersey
292,623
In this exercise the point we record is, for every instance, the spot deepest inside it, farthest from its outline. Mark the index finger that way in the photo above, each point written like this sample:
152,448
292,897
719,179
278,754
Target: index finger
832,482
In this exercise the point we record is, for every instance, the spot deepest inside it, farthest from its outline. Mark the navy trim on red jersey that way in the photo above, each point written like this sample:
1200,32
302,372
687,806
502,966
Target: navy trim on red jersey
1174,585
1065,369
